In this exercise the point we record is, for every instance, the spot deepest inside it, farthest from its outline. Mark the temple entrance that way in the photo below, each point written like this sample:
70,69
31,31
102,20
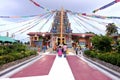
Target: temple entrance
58,41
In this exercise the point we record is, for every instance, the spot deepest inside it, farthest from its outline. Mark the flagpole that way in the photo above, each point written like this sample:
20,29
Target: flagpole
61,26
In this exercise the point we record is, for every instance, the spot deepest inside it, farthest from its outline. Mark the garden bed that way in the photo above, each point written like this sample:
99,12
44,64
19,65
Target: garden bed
111,66
10,64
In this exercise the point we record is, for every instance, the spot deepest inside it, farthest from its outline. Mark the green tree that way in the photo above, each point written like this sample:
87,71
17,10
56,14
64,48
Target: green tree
111,29
118,46
102,43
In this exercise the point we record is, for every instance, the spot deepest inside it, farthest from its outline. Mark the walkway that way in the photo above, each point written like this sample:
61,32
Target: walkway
52,67
61,70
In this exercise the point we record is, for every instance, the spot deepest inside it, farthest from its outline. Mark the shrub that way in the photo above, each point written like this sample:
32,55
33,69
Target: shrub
33,52
17,56
93,54
118,49
8,58
5,59
1,52
102,43
90,53
87,52
2,61
113,58
14,52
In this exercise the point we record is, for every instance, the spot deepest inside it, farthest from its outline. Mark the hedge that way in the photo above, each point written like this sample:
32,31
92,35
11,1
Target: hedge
113,58
15,56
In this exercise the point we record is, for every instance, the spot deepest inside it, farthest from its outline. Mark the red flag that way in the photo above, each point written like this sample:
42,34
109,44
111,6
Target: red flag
117,0
35,3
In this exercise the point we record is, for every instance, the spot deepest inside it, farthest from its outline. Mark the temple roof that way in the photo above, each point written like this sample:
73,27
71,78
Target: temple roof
48,34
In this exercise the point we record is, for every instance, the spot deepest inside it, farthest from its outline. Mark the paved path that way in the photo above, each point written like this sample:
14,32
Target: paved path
40,67
82,71
59,68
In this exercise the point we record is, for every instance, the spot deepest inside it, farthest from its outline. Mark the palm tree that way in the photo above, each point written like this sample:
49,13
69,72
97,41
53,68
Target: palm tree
111,29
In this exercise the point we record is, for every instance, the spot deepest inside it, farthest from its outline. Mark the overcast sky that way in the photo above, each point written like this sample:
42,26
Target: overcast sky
25,7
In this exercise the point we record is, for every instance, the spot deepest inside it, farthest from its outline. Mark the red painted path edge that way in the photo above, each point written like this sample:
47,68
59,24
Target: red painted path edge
82,71
38,68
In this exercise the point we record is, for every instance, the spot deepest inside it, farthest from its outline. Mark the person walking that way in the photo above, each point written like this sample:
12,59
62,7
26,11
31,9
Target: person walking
44,48
64,49
76,50
79,50
59,51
